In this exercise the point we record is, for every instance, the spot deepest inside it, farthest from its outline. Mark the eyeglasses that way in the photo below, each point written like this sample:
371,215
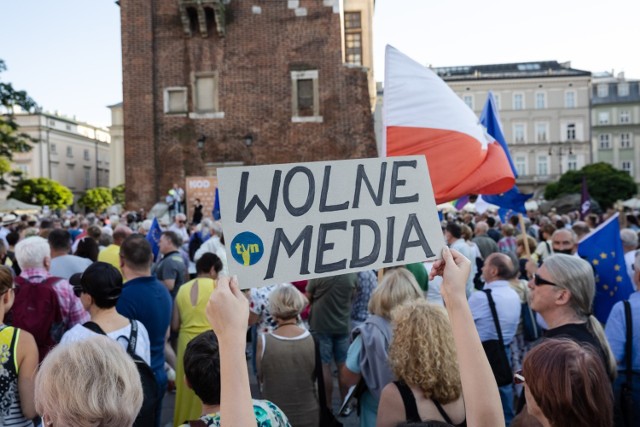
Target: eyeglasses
77,290
518,378
182,222
539,281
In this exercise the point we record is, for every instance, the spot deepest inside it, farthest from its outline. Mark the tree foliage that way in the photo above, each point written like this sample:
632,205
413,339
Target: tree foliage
117,193
605,183
97,199
11,140
43,192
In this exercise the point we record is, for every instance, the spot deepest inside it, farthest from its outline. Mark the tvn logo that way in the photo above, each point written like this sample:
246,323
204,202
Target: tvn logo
247,248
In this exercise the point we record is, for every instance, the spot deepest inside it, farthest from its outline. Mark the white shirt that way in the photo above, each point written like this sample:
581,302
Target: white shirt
214,246
465,249
508,306
121,336
180,231
629,259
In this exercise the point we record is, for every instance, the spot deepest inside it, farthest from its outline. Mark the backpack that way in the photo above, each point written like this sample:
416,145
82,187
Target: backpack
36,309
147,415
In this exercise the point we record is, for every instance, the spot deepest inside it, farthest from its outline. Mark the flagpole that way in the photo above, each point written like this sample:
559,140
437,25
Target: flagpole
525,241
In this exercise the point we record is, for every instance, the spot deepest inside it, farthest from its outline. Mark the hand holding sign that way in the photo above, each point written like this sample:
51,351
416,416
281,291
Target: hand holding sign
228,309
454,269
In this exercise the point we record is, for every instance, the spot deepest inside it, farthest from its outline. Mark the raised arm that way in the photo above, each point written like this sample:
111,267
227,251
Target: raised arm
479,387
228,313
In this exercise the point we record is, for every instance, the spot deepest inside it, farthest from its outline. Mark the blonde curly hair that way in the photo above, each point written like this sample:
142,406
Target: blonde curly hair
422,352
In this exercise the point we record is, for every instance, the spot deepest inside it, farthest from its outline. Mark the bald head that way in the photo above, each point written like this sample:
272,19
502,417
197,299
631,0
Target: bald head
481,228
564,241
498,266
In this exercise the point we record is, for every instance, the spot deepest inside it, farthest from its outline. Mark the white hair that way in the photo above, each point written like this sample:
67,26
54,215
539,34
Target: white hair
31,252
629,238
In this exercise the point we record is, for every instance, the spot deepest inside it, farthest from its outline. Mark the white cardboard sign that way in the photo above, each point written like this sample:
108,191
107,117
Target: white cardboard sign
291,222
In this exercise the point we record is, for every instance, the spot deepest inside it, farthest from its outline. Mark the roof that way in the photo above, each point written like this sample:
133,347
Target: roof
516,70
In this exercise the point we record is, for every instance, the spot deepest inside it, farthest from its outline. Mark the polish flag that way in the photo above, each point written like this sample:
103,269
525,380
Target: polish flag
422,115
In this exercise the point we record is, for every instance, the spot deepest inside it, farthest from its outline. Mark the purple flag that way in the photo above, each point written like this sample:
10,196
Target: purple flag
585,201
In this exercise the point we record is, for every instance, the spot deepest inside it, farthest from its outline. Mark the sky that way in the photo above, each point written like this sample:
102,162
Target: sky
66,53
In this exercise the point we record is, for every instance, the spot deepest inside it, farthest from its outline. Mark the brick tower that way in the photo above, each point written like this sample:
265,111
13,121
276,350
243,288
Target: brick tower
209,83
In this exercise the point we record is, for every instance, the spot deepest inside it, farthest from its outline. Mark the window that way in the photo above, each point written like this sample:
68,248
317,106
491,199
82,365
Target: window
305,96
605,141
71,179
518,101
87,178
353,38
623,89
521,165
625,140
625,116
468,99
205,93
572,162
627,166
519,132
570,99
175,100
571,132
52,147
603,90
541,100
69,151
24,168
603,118
86,155
542,165
542,131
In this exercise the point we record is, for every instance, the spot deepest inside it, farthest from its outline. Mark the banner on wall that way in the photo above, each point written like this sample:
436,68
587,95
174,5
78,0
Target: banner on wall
203,188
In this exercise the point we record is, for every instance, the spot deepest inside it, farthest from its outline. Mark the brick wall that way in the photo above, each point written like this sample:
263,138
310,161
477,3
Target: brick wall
254,61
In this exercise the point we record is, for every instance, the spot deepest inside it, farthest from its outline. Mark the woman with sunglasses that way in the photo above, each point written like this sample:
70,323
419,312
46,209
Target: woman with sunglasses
562,292
18,363
563,382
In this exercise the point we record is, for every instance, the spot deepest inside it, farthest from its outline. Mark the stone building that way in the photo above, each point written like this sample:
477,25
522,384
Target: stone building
74,153
615,118
544,109
210,83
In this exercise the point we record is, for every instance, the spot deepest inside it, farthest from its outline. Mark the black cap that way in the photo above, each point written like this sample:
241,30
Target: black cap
101,280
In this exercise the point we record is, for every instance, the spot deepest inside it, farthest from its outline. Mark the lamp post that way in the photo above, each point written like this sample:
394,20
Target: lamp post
560,154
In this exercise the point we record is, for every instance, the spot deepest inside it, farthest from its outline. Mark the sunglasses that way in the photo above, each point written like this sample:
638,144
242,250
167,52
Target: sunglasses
539,281
518,378
77,291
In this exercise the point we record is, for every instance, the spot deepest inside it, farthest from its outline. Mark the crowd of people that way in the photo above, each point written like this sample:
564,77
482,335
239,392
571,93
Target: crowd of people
499,331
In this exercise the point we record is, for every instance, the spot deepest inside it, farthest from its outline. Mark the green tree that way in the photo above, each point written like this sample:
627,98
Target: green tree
97,199
117,193
605,183
43,192
11,140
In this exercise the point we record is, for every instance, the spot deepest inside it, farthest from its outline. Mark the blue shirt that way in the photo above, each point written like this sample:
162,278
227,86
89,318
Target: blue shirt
508,306
146,299
616,331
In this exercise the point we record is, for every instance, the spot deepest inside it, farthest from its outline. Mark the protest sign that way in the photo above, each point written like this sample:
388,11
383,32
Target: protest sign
203,188
299,221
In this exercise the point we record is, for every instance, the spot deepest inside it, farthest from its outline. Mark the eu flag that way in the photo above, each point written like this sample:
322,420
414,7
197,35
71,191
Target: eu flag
513,199
603,249
153,237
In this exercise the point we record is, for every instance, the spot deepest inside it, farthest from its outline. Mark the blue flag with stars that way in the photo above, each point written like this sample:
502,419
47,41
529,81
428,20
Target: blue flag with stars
153,237
603,249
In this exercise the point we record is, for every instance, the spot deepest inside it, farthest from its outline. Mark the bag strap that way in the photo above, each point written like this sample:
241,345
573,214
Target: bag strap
133,337
322,397
410,407
628,345
494,314
93,326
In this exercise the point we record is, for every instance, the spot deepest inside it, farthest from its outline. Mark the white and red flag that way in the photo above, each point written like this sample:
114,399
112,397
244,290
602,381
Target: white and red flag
422,115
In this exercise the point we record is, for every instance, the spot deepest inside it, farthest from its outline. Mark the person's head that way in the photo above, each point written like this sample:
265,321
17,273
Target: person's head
564,241
467,233
566,384
136,254
481,228
180,220
491,222
59,241
546,231
120,233
629,239
286,302
520,245
202,367
87,383
13,238
422,352
33,252
94,232
452,232
209,263
100,285
87,248
397,287
497,266
581,229
6,289
508,230
169,242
